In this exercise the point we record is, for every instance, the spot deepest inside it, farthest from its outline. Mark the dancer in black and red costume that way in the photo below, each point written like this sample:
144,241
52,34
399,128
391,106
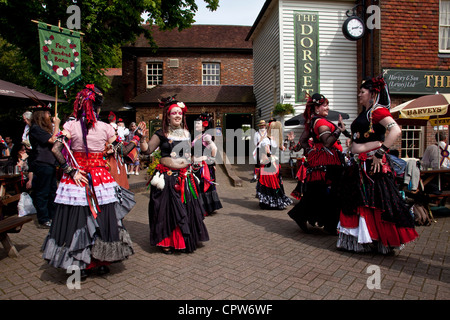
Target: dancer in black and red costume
204,152
86,231
175,210
323,151
374,216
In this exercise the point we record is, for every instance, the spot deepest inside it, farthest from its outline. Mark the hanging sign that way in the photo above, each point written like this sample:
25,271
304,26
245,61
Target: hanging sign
60,53
306,28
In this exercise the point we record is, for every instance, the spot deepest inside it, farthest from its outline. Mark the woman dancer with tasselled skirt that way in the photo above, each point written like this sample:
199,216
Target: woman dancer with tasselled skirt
175,210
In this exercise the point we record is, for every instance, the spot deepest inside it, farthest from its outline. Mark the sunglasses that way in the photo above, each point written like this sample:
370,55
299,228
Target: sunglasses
174,113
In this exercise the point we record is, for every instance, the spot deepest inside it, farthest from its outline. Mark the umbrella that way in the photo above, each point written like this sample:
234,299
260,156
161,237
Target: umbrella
332,116
432,107
12,90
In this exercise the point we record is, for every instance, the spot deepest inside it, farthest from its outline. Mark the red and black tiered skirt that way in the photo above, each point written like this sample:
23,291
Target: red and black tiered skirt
81,235
374,216
318,204
269,189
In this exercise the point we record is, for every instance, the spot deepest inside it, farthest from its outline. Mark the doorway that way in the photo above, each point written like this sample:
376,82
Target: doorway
242,142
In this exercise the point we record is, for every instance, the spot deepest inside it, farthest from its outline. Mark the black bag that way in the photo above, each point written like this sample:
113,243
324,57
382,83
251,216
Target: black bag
126,202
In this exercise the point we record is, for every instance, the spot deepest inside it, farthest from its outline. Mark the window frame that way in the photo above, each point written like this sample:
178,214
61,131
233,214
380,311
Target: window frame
159,82
205,81
405,141
442,26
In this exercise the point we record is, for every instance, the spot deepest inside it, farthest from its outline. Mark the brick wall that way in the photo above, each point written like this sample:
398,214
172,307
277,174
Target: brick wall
235,68
410,35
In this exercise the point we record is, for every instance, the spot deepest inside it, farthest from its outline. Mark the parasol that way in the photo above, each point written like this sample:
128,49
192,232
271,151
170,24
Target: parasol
332,116
433,108
12,90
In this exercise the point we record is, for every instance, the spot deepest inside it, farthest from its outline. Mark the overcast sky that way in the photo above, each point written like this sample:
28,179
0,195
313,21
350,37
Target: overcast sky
229,12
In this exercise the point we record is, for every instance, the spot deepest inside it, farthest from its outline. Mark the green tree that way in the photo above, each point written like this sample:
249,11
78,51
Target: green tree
106,24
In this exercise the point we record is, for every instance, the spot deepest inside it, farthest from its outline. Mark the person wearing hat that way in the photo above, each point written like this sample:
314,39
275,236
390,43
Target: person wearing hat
257,138
270,189
112,120
88,230
175,210
374,216
323,151
122,131
42,163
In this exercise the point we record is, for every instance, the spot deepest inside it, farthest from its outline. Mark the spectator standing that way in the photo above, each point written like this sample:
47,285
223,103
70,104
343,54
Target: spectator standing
42,162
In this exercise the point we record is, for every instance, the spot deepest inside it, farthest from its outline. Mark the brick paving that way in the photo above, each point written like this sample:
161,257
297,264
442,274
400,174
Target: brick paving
252,254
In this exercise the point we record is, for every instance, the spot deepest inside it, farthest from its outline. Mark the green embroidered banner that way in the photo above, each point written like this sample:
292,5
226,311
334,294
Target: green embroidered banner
60,50
306,31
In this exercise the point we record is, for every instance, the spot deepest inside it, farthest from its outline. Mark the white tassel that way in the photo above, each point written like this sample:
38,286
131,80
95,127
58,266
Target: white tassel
161,184
158,181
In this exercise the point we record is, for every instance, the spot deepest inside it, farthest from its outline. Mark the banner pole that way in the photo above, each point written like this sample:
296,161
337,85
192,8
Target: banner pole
56,86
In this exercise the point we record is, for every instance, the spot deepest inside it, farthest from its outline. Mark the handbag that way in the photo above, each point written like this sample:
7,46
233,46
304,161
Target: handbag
125,202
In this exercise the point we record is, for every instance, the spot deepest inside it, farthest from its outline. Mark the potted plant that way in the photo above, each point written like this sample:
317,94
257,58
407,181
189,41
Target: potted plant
282,109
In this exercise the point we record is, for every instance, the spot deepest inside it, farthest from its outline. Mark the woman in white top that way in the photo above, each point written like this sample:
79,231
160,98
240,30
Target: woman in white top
269,189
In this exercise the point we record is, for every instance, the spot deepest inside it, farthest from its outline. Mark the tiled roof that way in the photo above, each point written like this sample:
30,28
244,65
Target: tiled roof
199,36
199,94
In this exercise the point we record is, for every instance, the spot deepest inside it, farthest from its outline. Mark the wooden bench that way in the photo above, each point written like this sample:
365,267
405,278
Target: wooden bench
11,224
444,194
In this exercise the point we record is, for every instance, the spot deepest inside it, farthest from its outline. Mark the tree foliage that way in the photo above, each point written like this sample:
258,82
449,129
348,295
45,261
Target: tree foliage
106,24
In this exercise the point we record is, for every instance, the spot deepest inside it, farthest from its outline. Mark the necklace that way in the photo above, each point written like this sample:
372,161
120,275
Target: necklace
176,132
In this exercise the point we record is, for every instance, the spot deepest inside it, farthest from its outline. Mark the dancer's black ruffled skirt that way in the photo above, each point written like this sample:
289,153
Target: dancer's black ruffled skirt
170,215
76,238
210,198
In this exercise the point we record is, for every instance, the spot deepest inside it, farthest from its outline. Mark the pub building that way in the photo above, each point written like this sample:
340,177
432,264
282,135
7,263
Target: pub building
330,46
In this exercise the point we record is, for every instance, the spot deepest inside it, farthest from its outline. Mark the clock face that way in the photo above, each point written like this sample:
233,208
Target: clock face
353,28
